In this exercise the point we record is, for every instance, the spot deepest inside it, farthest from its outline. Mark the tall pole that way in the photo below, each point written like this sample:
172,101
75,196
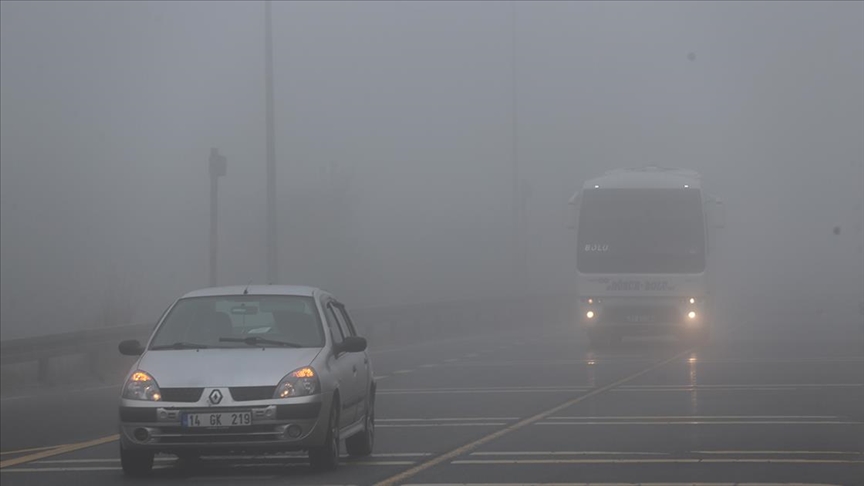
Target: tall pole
217,168
272,256
519,275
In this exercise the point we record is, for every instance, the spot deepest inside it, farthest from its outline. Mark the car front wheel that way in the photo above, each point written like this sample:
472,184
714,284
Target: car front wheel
361,444
136,463
326,457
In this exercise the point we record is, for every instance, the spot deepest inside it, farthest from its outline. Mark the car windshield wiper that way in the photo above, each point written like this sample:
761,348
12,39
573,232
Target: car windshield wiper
179,345
255,340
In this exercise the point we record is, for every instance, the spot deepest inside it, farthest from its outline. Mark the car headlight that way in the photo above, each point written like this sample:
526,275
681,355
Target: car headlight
299,383
142,386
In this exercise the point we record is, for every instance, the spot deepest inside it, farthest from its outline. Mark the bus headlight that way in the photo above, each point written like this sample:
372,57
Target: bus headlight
691,315
589,314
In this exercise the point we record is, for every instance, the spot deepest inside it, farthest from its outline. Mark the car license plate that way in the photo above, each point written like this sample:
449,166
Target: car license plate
217,419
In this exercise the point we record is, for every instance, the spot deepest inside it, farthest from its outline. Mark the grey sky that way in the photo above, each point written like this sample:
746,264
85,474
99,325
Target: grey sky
404,110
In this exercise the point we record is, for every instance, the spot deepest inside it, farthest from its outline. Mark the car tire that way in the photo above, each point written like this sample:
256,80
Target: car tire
361,444
136,463
326,457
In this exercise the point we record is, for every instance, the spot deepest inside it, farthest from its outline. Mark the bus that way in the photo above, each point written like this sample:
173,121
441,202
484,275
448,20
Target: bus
644,255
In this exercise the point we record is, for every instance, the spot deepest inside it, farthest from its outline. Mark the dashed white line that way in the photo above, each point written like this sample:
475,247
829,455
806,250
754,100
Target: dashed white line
448,419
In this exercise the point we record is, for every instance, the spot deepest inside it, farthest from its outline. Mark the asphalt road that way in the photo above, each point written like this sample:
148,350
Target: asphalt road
526,409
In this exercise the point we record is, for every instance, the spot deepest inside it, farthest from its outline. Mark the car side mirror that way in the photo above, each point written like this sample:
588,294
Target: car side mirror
131,347
352,344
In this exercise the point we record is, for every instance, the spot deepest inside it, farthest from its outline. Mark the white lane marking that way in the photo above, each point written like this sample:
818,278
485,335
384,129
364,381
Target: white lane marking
445,424
692,417
717,422
472,355
66,469
653,461
423,391
402,372
223,478
451,360
839,359
381,377
50,393
431,365
96,461
521,364
568,453
621,484
232,466
448,419
833,453
713,388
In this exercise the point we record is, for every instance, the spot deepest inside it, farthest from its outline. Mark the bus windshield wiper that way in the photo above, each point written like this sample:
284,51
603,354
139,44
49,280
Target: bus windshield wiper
255,340
179,345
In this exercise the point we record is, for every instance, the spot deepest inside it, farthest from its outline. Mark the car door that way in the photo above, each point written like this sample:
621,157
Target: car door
360,365
342,366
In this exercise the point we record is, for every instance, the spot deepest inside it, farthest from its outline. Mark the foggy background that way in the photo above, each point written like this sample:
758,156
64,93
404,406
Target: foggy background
394,145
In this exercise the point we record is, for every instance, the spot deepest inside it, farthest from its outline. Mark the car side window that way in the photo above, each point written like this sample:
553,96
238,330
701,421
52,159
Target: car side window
345,321
333,324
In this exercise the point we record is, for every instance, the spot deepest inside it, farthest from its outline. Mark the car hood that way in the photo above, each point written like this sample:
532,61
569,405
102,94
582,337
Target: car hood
224,367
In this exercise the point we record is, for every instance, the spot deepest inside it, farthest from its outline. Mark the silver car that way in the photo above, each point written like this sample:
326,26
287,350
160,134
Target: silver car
248,369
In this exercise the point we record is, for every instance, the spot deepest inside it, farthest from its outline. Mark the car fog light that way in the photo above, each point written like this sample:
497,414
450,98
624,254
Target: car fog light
141,434
294,431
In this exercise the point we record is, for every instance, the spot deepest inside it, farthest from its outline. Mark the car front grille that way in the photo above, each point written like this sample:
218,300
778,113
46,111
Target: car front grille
249,393
186,395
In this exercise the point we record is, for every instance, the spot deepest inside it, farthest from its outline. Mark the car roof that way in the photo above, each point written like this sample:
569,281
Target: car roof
293,290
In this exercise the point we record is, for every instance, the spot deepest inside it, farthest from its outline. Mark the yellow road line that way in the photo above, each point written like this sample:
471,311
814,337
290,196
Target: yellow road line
453,454
64,449
34,449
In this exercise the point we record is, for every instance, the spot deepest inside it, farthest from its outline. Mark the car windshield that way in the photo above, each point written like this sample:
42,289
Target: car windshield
237,321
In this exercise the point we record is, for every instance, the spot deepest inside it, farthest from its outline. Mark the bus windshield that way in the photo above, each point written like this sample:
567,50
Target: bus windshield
641,231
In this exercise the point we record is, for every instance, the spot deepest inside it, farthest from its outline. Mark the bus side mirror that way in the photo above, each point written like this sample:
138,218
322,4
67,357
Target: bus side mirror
719,215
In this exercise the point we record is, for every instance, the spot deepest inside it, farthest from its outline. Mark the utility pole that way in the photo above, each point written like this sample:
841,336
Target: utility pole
218,168
272,254
520,263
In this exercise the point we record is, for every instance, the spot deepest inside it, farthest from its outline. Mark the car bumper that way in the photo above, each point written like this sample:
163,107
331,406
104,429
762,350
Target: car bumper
275,424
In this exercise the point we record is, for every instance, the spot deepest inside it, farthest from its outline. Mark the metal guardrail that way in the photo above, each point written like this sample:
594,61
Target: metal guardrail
378,324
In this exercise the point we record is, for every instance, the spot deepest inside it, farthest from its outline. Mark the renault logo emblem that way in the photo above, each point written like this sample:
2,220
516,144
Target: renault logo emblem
215,397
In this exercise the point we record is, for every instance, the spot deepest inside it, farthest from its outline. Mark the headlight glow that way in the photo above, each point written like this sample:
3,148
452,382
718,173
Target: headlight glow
142,386
299,383
692,300
691,315
589,314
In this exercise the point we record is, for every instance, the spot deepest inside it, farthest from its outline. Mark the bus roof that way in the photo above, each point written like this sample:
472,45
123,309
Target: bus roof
646,177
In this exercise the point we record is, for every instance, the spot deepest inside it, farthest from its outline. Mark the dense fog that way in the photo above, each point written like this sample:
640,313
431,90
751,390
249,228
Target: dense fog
395,145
